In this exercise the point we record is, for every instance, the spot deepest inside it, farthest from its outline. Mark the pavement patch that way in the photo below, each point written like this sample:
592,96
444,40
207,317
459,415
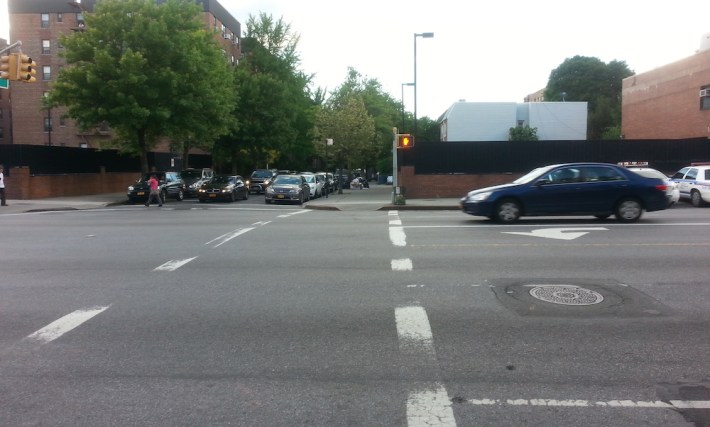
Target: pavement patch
575,298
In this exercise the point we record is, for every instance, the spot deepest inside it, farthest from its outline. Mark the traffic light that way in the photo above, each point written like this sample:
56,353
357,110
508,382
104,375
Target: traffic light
26,69
405,140
8,67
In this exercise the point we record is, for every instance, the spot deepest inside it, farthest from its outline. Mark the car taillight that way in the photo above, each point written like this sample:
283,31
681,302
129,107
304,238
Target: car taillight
662,187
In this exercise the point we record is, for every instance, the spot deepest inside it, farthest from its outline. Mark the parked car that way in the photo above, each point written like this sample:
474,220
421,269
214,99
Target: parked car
315,187
597,189
194,179
288,188
260,179
224,187
171,186
694,184
672,192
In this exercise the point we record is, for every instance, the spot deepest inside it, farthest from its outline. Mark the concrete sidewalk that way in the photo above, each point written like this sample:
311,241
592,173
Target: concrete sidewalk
377,197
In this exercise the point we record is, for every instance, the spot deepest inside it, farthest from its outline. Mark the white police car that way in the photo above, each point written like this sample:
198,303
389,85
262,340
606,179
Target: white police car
694,183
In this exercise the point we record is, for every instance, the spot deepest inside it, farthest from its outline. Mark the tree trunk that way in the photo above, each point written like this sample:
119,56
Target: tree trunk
144,150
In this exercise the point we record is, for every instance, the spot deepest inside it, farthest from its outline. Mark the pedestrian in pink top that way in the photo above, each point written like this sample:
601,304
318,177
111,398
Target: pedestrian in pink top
154,191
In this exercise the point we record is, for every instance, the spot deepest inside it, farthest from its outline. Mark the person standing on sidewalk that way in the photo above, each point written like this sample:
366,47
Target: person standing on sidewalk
154,191
3,202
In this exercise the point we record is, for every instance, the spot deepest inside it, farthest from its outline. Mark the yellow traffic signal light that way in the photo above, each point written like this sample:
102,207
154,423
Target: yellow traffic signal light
8,67
26,69
405,140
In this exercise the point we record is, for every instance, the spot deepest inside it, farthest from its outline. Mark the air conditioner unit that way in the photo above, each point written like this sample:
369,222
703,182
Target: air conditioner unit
226,36
704,92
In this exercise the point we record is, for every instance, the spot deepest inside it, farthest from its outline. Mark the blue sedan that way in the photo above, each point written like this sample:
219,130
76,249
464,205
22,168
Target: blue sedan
597,189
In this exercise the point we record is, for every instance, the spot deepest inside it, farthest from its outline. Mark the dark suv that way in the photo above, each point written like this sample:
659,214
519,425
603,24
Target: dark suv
260,179
171,185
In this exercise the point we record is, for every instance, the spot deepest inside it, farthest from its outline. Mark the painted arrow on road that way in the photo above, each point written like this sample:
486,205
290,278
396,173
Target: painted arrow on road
558,233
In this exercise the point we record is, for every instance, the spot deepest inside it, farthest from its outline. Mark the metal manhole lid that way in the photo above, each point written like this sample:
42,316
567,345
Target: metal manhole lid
565,294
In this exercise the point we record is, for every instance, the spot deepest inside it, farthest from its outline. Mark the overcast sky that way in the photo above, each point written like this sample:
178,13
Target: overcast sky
481,50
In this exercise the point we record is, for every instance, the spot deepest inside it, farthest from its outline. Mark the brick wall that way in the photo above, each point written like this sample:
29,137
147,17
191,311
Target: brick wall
664,103
20,184
446,186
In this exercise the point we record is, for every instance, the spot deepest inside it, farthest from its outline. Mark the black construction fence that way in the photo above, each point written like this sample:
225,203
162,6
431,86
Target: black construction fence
52,160
522,156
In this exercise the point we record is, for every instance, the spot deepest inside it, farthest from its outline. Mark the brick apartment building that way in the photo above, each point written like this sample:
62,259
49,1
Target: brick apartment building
671,101
38,24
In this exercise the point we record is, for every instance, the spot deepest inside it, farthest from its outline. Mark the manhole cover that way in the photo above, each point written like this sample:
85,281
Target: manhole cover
565,294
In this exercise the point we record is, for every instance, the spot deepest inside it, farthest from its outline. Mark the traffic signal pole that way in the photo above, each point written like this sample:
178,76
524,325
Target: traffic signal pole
394,165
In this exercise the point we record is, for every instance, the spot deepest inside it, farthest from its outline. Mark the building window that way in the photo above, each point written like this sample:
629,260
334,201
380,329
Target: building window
45,20
62,121
59,17
47,124
46,72
2,132
1,110
80,20
46,47
705,98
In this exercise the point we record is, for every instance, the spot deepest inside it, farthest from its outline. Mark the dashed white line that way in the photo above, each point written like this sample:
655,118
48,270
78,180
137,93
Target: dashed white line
397,236
401,264
173,265
429,406
65,324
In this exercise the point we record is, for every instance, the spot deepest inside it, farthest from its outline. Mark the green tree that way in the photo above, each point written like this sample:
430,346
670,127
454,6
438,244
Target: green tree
149,70
273,111
522,133
352,129
382,110
589,79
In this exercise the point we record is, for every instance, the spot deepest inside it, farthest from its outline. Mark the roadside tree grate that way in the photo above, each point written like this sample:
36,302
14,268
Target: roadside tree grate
565,294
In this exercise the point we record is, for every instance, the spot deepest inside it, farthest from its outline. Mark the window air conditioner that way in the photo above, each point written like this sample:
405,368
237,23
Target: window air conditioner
226,36
704,92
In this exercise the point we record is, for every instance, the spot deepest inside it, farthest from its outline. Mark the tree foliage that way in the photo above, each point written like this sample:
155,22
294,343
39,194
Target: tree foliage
522,133
589,79
149,70
272,107
382,113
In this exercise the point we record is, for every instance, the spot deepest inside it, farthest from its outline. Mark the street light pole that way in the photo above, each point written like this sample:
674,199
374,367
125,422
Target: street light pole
402,101
426,36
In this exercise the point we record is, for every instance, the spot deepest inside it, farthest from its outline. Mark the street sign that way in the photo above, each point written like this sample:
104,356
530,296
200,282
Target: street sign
4,84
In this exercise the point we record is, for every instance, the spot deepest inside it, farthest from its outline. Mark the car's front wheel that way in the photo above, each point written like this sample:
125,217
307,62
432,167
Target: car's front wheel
695,199
628,210
180,196
507,211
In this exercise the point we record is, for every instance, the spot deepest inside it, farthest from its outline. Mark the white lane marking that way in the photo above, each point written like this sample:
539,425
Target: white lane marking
397,236
678,404
431,405
294,213
413,330
262,223
65,324
395,222
430,408
401,264
173,265
229,236
558,233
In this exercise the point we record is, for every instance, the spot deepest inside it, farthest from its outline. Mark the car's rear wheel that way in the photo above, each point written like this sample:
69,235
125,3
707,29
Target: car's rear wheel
695,199
507,211
628,210
163,196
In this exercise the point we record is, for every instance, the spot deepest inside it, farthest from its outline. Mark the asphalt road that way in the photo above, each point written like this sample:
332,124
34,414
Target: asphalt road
255,315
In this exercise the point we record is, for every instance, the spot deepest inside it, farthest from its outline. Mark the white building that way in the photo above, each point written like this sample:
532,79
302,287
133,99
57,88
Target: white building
491,121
